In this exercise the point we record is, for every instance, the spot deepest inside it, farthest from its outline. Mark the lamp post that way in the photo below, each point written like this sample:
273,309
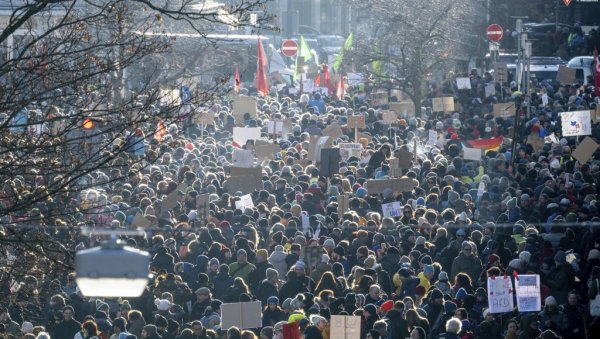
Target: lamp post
112,270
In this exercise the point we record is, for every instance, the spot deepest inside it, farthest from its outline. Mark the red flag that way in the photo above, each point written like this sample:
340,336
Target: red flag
487,145
318,80
327,79
341,89
161,131
596,73
261,71
238,80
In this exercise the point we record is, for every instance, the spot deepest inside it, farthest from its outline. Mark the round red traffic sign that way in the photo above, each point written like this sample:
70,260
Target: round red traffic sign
494,32
289,48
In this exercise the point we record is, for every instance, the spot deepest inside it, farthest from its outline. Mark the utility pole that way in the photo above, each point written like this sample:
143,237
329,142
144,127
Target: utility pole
519,30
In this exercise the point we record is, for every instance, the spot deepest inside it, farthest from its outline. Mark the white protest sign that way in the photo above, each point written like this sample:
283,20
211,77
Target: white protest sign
275,127
320,144
243,134
389,117
529,297
323,90
244,202
480,190
355,79
576,123
463,83
344,327
500,297
242,158
293,90
472,153
544,99
305,223
490,90
308,86
348,150
392,209
433,138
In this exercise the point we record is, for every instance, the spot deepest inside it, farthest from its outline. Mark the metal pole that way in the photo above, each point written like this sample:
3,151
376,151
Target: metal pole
519,29
528,55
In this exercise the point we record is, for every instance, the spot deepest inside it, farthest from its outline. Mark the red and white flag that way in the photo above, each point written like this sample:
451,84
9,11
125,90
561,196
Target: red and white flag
341,89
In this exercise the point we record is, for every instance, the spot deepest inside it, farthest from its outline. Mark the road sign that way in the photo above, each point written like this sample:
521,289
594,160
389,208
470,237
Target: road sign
494,32
567,2
289,48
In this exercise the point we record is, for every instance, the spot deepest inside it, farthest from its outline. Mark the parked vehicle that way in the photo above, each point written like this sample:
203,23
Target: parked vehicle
584,66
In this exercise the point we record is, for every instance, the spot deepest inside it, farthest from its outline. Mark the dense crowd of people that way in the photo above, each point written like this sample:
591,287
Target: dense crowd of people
422,274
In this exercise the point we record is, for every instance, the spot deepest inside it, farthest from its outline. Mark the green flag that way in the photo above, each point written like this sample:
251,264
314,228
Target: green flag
303,52
377,65
340,57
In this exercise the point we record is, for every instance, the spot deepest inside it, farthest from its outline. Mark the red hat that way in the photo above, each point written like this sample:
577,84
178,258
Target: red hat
454,136
387,306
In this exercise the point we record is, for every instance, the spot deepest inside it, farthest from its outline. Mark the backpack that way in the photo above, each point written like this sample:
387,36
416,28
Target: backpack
595,303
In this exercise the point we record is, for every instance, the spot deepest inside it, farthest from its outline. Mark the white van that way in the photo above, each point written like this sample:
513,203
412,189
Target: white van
584,66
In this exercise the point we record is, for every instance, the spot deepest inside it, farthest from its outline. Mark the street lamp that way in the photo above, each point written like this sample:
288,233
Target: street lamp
112,270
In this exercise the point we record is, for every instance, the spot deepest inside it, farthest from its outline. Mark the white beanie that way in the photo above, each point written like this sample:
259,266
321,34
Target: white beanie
315,319
525,256
162,305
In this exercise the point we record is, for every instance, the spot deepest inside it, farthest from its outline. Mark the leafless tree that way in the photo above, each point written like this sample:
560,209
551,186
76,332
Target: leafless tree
68,114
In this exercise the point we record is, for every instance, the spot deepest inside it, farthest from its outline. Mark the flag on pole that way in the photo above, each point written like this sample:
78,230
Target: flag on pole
340,57
487,145
341,89
261,71
377,65
161,131
238,80
304,54
596,73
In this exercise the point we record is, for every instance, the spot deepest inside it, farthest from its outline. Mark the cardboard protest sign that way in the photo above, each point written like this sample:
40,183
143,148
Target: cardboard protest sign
597,112
348,150
392,209
266,151
397,185
343,201
245,180
275,127
333,131
242,158
389,117
535,141
345,327
529,296
504,110
576,123
241,315
203,206
205,118
500,72
463,83
585,150
244,202
172,200
356,121
566,75
243,134
472,153
330,162
404,157
500,298
395,168
140,221
241,106
443,104
404,109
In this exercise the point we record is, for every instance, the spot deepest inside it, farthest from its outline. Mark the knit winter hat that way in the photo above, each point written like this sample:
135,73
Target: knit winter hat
162,304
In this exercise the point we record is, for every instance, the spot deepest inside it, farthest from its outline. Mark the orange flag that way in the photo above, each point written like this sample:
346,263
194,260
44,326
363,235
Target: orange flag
341,88
161,131
261,71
